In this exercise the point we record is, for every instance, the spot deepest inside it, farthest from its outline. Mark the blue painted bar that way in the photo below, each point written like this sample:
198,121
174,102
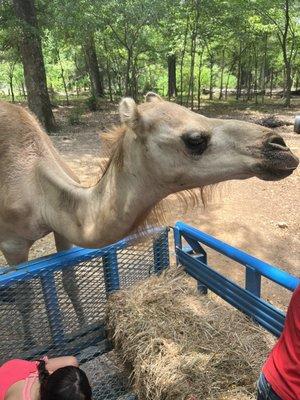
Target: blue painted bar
253,281
177,240
262,312
111,271
283,278
247,300
198,253
65,259
53,309
201,287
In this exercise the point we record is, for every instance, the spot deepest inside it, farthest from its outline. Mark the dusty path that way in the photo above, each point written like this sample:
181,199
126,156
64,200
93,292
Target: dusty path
260,217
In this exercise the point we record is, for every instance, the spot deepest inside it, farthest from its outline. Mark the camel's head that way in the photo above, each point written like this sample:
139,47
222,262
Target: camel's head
183,150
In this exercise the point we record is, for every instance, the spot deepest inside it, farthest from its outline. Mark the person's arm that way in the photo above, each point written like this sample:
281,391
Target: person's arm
52,364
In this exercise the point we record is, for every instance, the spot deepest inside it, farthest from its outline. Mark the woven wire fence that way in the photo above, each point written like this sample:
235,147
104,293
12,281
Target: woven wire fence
56,305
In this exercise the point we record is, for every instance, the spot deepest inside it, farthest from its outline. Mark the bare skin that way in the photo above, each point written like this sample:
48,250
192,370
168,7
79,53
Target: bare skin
165,148
16,390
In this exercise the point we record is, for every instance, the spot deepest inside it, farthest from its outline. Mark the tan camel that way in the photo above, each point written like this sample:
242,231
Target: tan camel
161,148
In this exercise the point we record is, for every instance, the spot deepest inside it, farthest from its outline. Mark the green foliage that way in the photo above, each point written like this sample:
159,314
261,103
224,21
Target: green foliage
233,43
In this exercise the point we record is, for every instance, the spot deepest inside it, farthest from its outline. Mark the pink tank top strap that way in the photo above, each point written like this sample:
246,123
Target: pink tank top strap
29,381
28,385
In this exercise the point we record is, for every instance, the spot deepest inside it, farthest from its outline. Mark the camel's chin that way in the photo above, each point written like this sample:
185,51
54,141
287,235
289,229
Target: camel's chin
274,175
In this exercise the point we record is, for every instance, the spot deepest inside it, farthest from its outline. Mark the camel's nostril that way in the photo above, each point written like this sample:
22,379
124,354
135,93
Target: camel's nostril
276,143
278,156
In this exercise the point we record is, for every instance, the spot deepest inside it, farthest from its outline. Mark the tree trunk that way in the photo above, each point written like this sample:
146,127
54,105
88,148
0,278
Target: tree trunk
227,84
11,77
297,81
134,80
93,66
239,83
255,75
211,79
192,68
172,91
249,84
263,70
23,90
127,76
287,55
199,79
271,83
222,74
109,81
11,88
119,83
33,63
288,85
182,58
51,92
193,52
62,74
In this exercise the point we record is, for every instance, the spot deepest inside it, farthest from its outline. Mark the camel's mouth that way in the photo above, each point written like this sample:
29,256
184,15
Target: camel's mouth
279,162
269,174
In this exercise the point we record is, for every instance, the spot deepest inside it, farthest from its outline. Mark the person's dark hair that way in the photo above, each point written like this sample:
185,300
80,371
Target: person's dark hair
67,383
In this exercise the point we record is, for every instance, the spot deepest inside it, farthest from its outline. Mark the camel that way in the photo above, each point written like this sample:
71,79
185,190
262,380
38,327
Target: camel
160,148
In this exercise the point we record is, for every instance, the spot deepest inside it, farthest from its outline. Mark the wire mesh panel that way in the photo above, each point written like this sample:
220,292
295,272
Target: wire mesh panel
52,311
56,305
108,379
142,260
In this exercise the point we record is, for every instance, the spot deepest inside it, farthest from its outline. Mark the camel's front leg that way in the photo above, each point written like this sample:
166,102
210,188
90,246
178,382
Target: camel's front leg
69,279
16,252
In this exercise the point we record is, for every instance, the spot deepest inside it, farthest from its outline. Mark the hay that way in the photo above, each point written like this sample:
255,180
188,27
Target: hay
180,345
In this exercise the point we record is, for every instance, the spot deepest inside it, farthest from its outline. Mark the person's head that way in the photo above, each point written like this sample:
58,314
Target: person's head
67,383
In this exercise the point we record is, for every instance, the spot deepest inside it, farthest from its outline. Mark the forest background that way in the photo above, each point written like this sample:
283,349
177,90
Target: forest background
85,52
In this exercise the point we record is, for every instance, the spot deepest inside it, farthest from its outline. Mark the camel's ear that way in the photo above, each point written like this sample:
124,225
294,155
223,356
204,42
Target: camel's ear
128,111
151,96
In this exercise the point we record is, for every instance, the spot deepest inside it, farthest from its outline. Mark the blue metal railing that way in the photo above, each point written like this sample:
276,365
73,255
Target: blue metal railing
194,259
44,269
247,299
65,259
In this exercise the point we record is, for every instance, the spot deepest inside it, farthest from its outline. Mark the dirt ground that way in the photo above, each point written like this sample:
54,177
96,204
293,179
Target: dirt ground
259,217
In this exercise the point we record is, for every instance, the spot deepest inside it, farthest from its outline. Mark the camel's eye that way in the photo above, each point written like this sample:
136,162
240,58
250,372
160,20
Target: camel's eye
195,142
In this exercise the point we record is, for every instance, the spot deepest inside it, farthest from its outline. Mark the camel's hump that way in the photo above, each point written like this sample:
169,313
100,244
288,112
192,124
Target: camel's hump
23,141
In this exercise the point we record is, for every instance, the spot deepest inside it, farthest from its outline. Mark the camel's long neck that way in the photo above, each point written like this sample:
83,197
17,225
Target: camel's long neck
121,200
107,212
